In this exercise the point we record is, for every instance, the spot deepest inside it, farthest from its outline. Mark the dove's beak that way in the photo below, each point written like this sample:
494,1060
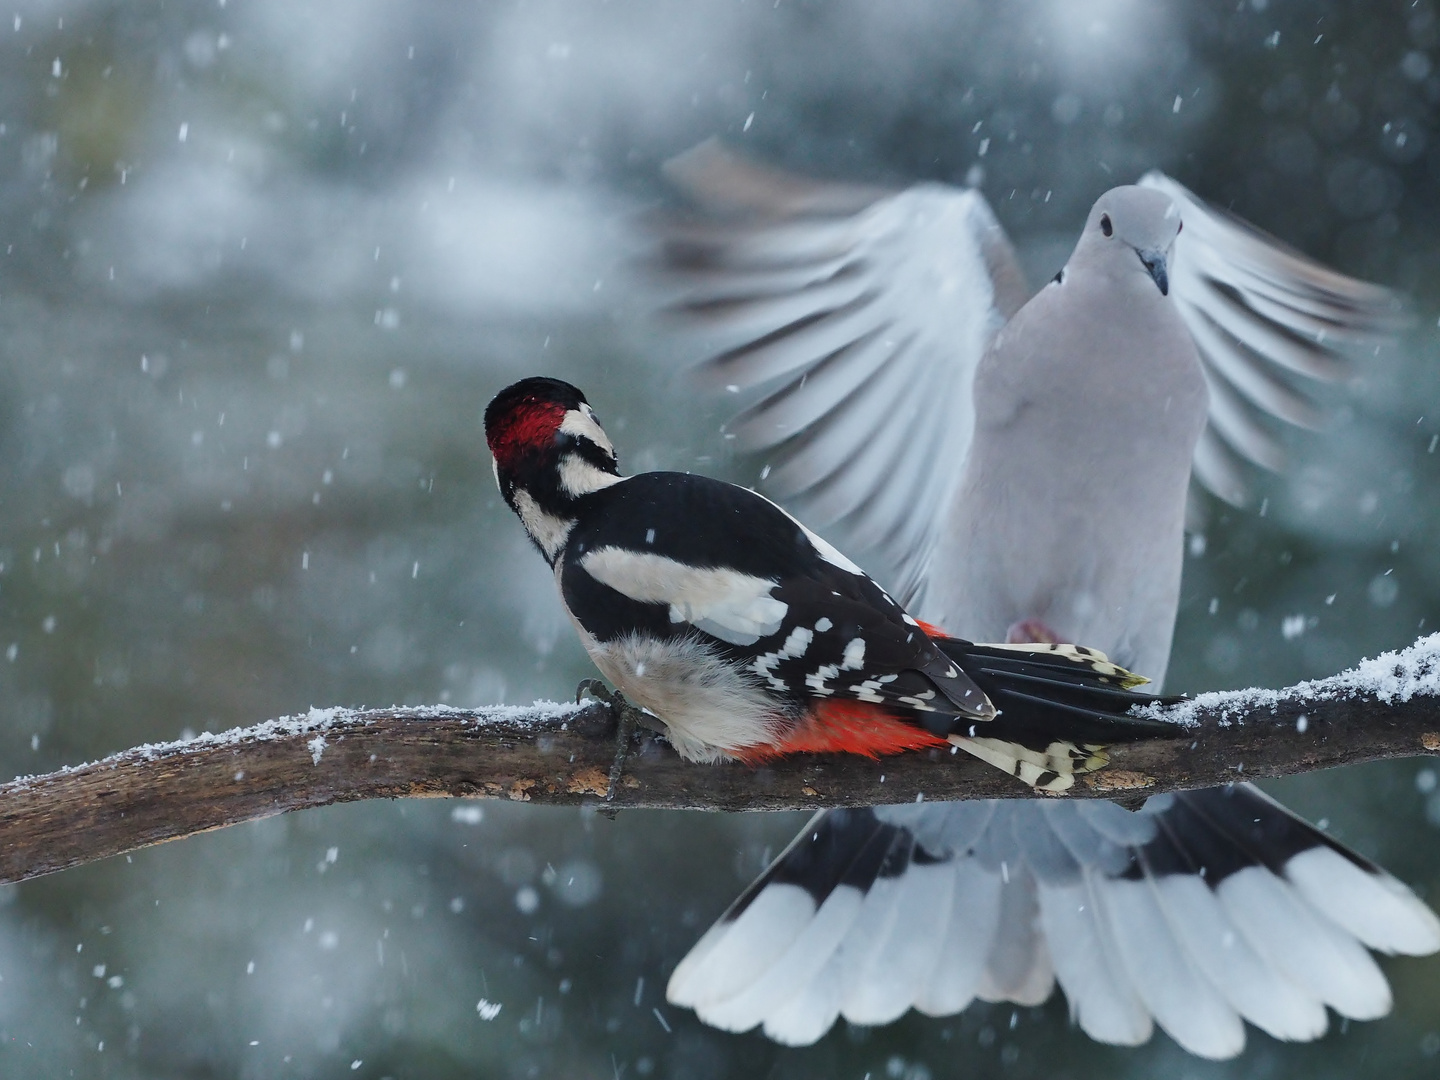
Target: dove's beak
1154,262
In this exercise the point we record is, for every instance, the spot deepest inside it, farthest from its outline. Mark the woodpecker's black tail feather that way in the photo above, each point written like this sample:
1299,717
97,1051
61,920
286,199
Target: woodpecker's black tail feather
1048,692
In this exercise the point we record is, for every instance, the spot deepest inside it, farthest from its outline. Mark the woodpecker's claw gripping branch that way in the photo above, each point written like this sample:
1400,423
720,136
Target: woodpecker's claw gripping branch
594,688
627,719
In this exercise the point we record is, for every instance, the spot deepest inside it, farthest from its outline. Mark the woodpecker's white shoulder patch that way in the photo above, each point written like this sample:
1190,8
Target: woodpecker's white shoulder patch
549,531
724,603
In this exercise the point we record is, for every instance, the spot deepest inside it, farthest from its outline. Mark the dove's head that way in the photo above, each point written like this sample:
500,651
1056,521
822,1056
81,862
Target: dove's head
1131,229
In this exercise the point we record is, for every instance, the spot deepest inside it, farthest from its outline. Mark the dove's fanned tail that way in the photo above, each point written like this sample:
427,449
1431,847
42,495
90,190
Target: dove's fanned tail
1203,911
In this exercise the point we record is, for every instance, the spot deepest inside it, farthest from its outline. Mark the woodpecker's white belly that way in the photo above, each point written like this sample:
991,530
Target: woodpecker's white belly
711,709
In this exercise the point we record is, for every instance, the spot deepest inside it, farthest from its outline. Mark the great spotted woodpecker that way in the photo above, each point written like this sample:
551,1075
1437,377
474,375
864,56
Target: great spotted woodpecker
751,637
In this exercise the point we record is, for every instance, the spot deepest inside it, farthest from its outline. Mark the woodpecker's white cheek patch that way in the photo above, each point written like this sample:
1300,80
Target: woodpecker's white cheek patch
549,531
724,603
582,424
579,477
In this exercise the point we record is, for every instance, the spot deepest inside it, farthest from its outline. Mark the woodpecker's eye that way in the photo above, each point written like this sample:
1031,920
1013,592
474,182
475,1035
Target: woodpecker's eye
1105,225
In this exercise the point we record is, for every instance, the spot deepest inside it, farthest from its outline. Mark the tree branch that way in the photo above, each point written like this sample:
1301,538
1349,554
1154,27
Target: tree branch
1387,707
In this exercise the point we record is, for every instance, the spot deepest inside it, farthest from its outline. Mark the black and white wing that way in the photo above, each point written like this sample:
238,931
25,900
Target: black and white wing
1202,911
856,317
675,555
1270,325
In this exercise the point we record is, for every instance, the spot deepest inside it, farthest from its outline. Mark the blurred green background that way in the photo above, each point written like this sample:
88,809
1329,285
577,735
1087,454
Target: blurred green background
262,263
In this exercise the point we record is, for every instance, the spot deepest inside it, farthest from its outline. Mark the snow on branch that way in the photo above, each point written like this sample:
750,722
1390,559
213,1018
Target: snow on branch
546,753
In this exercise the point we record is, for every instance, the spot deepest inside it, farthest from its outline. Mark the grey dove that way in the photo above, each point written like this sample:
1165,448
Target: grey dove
1021,469
1088,406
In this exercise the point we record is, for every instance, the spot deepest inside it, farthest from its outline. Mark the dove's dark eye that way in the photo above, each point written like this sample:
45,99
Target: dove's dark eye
1105,225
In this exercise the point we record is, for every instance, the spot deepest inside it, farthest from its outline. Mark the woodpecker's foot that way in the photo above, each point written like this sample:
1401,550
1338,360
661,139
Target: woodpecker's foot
596,689
619,703
627,718
624,729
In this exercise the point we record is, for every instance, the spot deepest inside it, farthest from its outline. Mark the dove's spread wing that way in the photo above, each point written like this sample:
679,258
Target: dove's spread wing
1269,324
856,317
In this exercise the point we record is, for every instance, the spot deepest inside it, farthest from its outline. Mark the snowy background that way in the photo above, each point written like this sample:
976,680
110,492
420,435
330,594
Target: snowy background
262,264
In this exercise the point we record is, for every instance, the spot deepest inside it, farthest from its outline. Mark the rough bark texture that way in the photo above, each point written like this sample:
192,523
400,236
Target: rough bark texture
564,754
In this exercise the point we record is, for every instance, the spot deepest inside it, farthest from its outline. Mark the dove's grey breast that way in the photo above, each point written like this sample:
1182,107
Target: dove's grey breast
1088,406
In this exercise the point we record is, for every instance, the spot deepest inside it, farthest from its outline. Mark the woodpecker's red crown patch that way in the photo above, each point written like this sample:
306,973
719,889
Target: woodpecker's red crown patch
526,417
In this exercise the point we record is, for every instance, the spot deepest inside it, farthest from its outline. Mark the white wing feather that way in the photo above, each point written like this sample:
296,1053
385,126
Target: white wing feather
1269,324
854,318
857,317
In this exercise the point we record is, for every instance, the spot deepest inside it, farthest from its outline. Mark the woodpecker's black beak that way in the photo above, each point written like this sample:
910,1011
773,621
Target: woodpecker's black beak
1154,262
